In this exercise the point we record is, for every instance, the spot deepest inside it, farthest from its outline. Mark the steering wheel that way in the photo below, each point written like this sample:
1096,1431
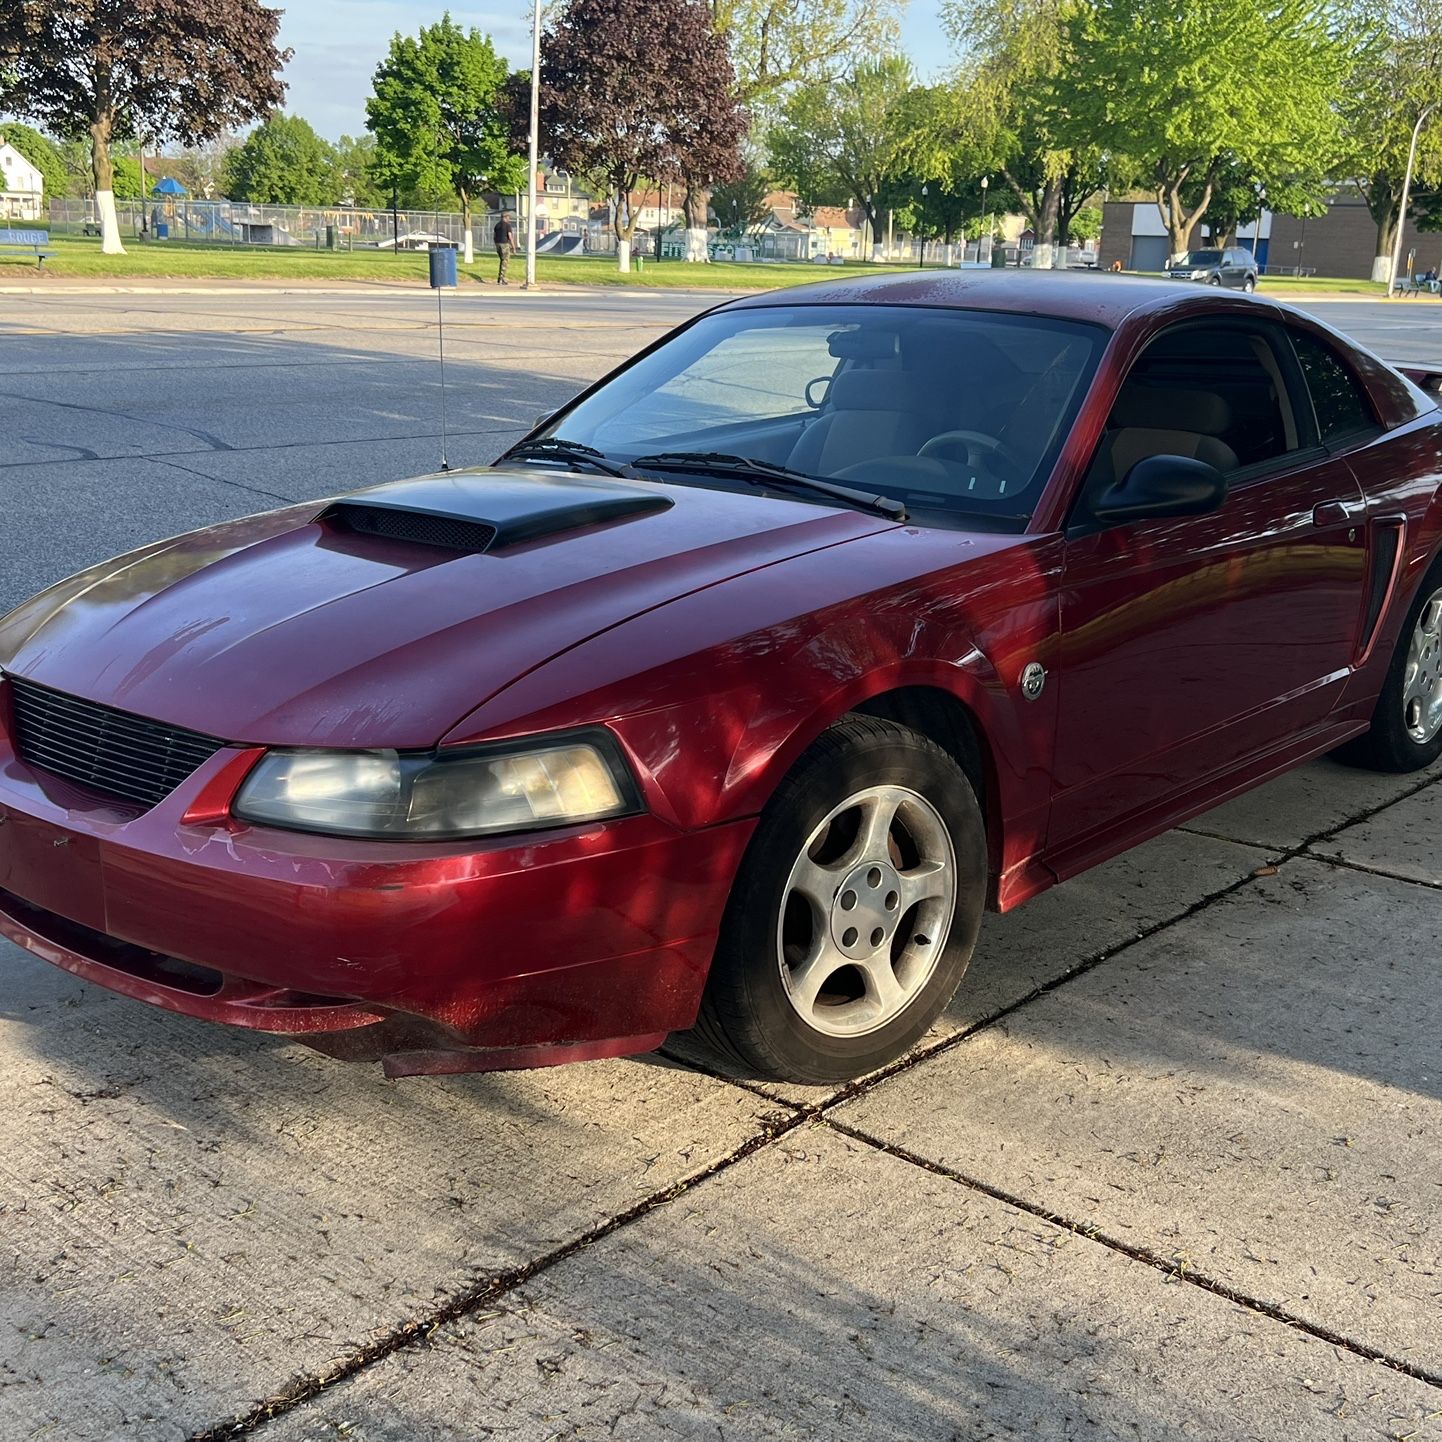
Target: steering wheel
990,444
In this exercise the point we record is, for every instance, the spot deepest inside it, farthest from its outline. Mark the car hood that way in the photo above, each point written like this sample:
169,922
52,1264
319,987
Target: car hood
345,623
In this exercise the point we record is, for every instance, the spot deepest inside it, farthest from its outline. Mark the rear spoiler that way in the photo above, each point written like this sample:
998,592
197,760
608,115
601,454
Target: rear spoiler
1427,380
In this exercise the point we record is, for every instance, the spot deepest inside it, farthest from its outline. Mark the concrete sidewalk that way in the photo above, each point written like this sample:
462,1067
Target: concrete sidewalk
1168,1168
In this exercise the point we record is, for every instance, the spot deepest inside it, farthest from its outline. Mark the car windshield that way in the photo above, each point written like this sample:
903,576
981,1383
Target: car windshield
1204,257
957,414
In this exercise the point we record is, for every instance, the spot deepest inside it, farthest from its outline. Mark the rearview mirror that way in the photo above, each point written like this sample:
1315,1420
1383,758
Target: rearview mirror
1161,486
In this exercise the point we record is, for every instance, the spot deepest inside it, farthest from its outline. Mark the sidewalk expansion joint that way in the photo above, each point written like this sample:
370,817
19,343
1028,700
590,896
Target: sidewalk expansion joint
1171,1270
1377,871
481,1294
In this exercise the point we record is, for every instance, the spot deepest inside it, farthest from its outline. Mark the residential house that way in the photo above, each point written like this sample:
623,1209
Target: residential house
23,197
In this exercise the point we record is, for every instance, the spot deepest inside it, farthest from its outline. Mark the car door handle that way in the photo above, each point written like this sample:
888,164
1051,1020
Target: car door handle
1333,513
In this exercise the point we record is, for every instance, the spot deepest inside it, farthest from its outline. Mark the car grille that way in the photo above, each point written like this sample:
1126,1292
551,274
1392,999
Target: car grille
106,750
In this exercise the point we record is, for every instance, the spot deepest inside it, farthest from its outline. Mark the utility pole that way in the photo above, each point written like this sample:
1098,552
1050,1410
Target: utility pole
1406,191
534,149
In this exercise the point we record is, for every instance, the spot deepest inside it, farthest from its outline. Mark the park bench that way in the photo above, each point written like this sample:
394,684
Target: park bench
34,241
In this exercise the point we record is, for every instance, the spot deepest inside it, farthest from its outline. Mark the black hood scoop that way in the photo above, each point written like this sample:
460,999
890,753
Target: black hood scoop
488,510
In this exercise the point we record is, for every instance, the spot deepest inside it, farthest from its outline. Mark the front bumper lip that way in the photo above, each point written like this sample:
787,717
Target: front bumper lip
541,947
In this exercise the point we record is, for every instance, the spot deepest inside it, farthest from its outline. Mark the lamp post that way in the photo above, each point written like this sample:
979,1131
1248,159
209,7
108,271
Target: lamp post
1406,190
985,234
534,150
921,240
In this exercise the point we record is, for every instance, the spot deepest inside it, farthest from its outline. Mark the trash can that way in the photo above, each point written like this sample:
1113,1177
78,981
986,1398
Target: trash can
998,259
330,237
443,265
162,230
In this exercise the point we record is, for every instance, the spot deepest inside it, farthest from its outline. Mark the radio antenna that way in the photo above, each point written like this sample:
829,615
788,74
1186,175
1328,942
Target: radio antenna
441,344
442,261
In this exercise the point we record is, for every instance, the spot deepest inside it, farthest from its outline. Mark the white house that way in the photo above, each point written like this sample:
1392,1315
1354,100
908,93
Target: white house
24,195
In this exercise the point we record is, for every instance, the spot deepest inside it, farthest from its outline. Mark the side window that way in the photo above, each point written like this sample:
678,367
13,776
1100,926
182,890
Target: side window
1212,392
1342,406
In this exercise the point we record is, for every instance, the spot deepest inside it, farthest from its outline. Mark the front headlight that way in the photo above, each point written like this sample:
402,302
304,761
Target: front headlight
515,786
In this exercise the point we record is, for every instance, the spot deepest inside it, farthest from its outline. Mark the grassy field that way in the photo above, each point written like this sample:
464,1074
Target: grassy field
76,257
179,260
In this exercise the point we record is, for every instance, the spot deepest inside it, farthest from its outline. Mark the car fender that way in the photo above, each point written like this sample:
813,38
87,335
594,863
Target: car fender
716,694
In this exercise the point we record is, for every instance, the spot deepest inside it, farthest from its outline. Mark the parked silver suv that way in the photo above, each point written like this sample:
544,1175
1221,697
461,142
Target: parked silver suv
1236,267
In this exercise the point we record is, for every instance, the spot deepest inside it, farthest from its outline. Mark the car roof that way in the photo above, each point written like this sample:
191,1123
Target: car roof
1102,297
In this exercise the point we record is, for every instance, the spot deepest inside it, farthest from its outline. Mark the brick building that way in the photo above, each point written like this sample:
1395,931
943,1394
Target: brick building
1340,243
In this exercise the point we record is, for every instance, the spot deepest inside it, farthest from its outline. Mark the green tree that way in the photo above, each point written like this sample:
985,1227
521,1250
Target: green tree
1012,102
41,152
438,117
776,44
853,140
114,70
125,177
1396,78
357,178
282,162
740,205
1189,90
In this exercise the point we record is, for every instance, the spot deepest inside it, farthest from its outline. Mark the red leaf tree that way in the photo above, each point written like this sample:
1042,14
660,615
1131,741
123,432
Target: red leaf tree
639,90
183,70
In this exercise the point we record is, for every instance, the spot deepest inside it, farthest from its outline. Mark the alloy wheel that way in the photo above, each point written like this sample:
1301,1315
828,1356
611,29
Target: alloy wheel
866,911
1422,678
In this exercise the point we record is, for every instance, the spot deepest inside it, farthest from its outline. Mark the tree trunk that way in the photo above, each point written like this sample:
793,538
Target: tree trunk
695,205
1384,211
104,175
468,249
1043,250
870,213
623,223
1180,221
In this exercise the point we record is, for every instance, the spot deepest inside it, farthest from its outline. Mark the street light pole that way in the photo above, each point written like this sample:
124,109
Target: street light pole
1406,191
921,240
534,144
985,234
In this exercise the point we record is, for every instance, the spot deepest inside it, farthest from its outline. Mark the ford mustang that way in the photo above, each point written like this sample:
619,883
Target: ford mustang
730,698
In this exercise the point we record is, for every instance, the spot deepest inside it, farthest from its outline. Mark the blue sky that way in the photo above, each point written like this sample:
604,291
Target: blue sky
338,42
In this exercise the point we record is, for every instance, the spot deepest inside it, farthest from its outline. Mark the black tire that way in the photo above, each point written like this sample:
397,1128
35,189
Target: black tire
747,1019
1250,284
1215,280
1387,746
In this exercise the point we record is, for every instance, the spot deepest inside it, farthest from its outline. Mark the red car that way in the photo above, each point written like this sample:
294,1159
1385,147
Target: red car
732,696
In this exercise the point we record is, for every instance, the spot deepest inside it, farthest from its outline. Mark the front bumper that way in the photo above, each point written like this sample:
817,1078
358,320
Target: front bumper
589,941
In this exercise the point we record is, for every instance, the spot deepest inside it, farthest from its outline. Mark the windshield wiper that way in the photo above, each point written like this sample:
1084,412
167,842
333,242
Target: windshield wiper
556,448
766,472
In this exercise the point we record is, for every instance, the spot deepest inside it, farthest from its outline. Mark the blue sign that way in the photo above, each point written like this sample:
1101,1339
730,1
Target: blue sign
24,237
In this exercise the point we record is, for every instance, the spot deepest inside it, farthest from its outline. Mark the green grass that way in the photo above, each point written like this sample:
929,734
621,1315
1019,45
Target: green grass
1282,285
80,257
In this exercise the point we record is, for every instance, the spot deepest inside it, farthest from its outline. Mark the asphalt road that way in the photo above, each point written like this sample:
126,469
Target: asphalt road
1168,1168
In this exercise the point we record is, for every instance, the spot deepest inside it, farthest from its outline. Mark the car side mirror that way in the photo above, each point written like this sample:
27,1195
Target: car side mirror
541,420
1161,486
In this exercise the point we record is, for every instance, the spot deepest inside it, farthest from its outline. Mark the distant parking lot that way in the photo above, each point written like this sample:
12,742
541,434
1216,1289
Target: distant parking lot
1171,1165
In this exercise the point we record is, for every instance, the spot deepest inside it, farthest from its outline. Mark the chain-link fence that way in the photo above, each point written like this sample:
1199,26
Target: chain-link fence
238,223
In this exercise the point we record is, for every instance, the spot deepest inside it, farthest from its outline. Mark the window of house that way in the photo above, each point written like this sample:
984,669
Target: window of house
1342,406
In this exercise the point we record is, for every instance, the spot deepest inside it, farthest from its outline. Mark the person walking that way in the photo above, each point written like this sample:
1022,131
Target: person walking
505,238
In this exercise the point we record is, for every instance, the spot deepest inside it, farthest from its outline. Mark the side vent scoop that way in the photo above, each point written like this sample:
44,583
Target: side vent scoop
488,510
